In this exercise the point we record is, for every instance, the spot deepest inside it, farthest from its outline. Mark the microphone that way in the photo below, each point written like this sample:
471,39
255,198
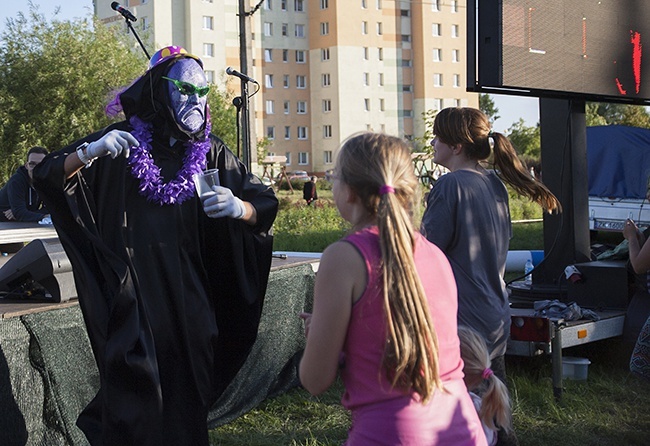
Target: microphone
115,6
231,71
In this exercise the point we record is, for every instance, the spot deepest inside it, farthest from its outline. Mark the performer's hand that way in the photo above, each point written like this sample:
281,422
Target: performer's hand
113,143
224,204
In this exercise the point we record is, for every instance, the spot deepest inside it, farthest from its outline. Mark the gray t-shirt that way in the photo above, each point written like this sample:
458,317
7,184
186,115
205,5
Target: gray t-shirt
468,218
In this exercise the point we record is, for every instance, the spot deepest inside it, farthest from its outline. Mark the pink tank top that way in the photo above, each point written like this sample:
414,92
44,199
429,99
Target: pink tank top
382,415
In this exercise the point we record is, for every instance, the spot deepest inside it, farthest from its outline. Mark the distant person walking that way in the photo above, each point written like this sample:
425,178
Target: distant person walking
309,192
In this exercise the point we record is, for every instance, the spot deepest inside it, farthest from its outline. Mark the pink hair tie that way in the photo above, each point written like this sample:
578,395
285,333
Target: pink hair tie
487,373
386,189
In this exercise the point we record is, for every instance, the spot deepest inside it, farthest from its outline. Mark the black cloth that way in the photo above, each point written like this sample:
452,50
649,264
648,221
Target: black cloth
309,192
171,298
23,200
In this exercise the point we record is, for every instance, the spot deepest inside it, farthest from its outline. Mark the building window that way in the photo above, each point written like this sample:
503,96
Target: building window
435,30
365,53
326,80
435,5
366,104
455,56
455,31
380,53
285,55
301,108
302,134
208,49
285,29
454,5
299,5
327,131
327,105
300,31
380,81
437,54
287,135
408,113
288,155
364,27
283,5
209,76
268,55
366,79
407,88
324,4
437,79
378,4
145,23
287,107
268,80
325,54
380,28
270,107
301,81
327,156
405,13
456,80
268,29
457,102
208,22
300,56
406,38
270,132
364,4
285,81
437,104
268,4
381,104
406,63
324,28
303,157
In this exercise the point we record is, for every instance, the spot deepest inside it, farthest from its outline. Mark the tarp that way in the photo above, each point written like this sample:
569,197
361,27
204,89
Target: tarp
618,159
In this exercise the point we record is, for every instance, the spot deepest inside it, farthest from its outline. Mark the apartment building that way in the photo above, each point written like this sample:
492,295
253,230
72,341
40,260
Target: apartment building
326,68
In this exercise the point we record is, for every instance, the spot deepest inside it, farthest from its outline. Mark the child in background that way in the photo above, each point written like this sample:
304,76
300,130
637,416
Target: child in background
386,298
494,406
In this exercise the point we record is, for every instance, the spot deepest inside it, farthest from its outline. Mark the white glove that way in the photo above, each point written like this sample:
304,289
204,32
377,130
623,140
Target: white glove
224,204
113,143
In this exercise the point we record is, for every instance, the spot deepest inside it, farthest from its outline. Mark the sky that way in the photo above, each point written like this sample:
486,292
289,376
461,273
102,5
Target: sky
511,108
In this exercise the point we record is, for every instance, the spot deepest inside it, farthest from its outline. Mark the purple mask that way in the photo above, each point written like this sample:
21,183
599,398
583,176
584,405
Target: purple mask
187,91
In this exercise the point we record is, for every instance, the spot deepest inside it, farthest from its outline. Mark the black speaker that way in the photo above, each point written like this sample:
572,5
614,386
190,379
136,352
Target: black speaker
604,285
39,271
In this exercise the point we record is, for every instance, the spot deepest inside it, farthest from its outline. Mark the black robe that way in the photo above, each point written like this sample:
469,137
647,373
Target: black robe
171,298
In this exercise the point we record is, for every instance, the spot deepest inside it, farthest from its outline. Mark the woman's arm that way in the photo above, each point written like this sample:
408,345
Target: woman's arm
341,277
639,251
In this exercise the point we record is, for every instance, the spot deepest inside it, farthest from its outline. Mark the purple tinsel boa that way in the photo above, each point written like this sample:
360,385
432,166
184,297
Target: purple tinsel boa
143,167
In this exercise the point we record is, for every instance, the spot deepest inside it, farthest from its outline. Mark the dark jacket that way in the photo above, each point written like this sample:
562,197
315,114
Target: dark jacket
23,200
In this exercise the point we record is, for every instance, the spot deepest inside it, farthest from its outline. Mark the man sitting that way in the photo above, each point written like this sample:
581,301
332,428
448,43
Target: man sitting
18,199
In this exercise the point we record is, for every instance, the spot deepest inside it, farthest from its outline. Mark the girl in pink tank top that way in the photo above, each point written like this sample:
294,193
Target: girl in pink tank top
385,301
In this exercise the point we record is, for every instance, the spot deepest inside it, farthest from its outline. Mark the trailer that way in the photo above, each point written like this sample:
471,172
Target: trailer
618,159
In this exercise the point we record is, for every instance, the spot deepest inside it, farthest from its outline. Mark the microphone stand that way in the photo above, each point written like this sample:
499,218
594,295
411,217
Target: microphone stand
237,102
128,23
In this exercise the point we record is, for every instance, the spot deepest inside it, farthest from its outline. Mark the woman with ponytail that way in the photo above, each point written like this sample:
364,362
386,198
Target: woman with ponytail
493,406
384,310
468,217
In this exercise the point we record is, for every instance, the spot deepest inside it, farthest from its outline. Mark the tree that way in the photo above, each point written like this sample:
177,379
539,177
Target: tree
56,78
526,140
600,113
487,106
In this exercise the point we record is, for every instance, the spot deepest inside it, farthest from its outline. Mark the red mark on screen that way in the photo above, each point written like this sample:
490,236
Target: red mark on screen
635,40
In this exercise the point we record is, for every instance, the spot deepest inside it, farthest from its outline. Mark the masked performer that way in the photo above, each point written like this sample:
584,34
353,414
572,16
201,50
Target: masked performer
171,289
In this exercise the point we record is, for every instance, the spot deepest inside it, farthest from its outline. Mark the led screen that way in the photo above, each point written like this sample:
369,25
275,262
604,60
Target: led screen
594,48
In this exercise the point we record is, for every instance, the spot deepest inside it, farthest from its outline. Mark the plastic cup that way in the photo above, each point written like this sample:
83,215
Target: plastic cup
204,183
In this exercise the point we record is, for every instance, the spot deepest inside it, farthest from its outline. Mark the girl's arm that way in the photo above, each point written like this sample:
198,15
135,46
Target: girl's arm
341,277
